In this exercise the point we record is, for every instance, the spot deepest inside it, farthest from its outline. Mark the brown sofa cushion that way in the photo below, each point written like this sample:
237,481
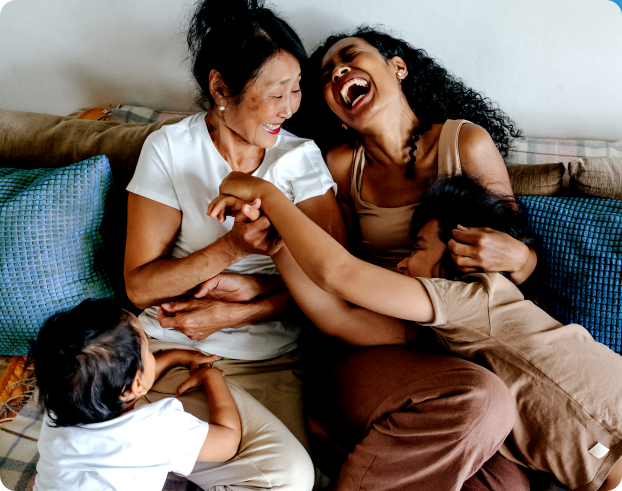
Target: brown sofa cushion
536,180
32,140
599,177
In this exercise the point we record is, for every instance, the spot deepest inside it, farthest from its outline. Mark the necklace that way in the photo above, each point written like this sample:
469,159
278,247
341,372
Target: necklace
211,130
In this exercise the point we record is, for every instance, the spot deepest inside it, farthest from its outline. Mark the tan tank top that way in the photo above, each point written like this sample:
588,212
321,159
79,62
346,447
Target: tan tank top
385,232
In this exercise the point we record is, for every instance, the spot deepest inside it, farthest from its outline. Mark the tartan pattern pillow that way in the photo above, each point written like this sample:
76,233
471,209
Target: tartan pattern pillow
580,256
51,245
546,151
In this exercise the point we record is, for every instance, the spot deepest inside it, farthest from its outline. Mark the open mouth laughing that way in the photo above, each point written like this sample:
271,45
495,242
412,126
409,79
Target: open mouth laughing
353,90
272,128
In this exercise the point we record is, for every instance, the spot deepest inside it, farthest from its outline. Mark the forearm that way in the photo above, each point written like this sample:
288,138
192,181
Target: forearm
163,279
523,273
165,360
335,316
223,438
312,248
222,408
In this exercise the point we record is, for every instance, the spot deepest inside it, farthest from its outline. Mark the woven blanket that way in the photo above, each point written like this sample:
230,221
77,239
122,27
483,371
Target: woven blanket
19,455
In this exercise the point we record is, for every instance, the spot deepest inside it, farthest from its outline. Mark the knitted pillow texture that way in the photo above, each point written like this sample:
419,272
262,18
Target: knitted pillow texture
580,254
51,245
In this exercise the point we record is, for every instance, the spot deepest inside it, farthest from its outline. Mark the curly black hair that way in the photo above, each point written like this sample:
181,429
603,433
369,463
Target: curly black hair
432,92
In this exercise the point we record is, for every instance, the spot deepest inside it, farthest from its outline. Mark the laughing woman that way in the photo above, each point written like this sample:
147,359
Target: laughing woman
391,120
247,63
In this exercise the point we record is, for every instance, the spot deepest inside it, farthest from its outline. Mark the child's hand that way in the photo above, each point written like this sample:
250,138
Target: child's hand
244,186
189,358
198,377
223,206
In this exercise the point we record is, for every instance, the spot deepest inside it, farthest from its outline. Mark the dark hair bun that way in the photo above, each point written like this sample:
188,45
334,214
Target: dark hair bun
235,38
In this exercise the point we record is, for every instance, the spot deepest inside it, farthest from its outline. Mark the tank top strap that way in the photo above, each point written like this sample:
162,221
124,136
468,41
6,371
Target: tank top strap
448,155
357,170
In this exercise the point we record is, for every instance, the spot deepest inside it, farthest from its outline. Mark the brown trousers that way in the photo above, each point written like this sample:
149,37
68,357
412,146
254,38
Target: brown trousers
413,420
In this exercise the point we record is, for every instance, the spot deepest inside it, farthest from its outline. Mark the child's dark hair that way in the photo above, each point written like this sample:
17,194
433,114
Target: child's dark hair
84,360
462,201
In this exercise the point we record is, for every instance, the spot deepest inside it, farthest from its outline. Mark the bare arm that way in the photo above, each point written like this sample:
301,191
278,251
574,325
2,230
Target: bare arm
327,263
167,359
484,249
198,318
338,318
223,438
151,277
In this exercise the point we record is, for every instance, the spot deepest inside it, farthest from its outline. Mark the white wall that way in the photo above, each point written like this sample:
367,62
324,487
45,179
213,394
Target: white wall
554,65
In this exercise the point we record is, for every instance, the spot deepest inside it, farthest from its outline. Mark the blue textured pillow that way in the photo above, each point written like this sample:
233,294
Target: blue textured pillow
51,247
580,254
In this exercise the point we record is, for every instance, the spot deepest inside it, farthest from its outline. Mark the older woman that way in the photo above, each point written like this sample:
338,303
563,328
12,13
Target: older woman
247,64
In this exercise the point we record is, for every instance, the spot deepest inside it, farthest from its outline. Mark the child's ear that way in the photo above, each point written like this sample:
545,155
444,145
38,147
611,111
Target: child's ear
136,390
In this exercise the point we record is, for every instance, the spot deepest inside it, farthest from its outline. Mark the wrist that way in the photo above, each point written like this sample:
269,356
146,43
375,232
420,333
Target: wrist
230,249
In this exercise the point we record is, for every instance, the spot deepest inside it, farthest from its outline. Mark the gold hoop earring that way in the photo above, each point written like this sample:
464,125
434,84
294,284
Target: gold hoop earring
344,126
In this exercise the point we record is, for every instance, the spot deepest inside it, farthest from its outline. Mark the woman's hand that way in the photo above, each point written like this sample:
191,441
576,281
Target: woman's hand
239,287
482,249
201,317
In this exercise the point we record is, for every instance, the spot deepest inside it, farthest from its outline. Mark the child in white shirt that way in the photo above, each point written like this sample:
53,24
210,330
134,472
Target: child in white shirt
92,364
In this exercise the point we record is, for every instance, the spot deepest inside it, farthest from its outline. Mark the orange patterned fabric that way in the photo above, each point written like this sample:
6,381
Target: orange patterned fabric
15,388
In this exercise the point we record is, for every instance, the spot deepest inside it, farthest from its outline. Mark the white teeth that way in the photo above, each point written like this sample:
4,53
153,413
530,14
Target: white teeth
347,85
272,126
357,99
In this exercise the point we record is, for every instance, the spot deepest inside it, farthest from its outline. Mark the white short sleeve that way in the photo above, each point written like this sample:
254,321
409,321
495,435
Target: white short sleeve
153,176
183,436
314,178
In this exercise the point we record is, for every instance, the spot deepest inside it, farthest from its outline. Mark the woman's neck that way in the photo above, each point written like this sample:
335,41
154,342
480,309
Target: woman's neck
237,152
387,141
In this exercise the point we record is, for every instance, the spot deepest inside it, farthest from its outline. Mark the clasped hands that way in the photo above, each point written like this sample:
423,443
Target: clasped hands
473,249
224,301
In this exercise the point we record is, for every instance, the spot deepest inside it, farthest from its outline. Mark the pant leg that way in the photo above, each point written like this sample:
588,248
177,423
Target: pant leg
498,474
269,458
277,385
418,420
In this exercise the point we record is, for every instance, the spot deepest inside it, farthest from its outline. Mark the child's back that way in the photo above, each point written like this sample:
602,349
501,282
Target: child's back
133,451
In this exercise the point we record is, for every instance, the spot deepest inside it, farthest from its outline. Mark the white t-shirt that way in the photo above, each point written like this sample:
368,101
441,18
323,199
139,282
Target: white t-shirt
134,451
180,167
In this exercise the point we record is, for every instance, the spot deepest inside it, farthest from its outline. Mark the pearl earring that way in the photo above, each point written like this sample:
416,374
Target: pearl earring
399,74
222,108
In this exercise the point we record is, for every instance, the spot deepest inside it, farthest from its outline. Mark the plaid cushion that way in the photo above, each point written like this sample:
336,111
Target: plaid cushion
544,151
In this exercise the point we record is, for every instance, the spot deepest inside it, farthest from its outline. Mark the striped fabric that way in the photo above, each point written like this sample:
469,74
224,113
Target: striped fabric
544,151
